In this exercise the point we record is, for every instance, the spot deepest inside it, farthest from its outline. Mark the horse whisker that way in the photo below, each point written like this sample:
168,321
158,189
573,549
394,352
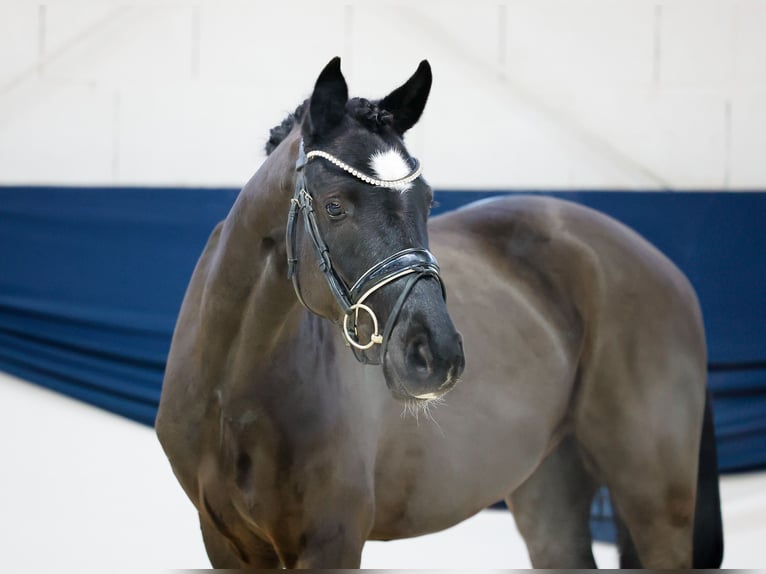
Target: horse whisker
415,407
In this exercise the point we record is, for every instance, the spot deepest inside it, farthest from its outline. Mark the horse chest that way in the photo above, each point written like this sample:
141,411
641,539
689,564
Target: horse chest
280,470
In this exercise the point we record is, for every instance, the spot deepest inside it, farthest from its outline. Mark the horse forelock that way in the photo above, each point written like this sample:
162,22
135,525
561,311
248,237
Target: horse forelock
368,140
367,113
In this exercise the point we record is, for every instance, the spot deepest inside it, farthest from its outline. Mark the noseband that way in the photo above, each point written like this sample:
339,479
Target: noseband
413,263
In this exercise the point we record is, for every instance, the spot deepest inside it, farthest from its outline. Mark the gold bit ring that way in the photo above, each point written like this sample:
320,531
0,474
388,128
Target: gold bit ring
375,339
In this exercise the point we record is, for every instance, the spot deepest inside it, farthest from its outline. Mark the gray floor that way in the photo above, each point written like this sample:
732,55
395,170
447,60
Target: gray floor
82,489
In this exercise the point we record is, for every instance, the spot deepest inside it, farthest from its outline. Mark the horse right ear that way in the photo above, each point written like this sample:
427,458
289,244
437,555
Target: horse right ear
328,102
407,102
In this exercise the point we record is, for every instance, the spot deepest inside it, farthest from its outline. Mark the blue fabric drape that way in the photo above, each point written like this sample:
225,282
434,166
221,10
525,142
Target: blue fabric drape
91,280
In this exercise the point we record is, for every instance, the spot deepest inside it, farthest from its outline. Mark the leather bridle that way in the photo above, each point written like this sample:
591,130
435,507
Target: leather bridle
412,263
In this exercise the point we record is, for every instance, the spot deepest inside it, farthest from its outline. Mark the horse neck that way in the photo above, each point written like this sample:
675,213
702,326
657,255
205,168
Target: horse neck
257,332
248,274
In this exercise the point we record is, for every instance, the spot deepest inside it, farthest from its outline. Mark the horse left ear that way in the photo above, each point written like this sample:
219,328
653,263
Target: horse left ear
327,105
406,103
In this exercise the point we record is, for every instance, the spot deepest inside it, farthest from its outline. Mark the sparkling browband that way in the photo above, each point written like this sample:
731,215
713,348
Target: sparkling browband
366,178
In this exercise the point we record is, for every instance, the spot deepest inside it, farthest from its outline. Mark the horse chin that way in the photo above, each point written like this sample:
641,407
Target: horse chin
423,405
400,391
427,396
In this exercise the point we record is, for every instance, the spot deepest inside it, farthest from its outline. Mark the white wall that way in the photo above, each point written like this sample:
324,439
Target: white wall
527,93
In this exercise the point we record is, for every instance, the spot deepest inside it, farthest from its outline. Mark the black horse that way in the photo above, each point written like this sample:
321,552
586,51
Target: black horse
584,362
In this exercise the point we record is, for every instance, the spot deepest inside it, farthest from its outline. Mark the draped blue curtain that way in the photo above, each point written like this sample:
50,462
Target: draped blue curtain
91,281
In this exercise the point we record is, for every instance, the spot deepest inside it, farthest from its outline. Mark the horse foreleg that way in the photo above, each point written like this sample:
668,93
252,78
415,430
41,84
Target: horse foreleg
224,552
334,546
629,558
552,511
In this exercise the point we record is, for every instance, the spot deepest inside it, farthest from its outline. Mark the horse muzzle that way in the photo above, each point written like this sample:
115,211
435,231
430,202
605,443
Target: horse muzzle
425,360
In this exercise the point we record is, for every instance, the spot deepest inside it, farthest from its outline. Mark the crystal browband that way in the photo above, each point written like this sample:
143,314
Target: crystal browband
364,177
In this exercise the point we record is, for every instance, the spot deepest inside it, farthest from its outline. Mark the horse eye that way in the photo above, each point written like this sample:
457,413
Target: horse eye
335,208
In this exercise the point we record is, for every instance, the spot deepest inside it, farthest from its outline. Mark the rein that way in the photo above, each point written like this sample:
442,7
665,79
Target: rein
413,263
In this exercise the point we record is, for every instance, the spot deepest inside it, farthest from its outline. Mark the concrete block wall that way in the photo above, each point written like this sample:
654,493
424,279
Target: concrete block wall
532,94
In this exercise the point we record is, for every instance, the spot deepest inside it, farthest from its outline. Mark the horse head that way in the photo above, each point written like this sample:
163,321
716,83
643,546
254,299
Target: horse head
357,237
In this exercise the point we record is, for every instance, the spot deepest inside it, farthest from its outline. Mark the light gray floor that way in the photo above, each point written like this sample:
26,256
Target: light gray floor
82,489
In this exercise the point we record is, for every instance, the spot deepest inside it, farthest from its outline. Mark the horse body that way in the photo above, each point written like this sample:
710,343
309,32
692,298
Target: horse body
551,334
578,336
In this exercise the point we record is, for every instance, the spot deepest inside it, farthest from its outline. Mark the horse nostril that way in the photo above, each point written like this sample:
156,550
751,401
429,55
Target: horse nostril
419,356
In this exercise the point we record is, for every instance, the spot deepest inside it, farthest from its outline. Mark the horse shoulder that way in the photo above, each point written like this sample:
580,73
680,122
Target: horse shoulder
181,408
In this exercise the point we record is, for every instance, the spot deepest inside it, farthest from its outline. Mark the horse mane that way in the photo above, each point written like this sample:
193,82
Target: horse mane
278,133
366,112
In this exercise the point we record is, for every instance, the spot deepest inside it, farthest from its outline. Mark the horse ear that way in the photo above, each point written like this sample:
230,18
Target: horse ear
406,102
328,102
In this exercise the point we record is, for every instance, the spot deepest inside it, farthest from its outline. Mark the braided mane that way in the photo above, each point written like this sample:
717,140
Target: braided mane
366,112
278,133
